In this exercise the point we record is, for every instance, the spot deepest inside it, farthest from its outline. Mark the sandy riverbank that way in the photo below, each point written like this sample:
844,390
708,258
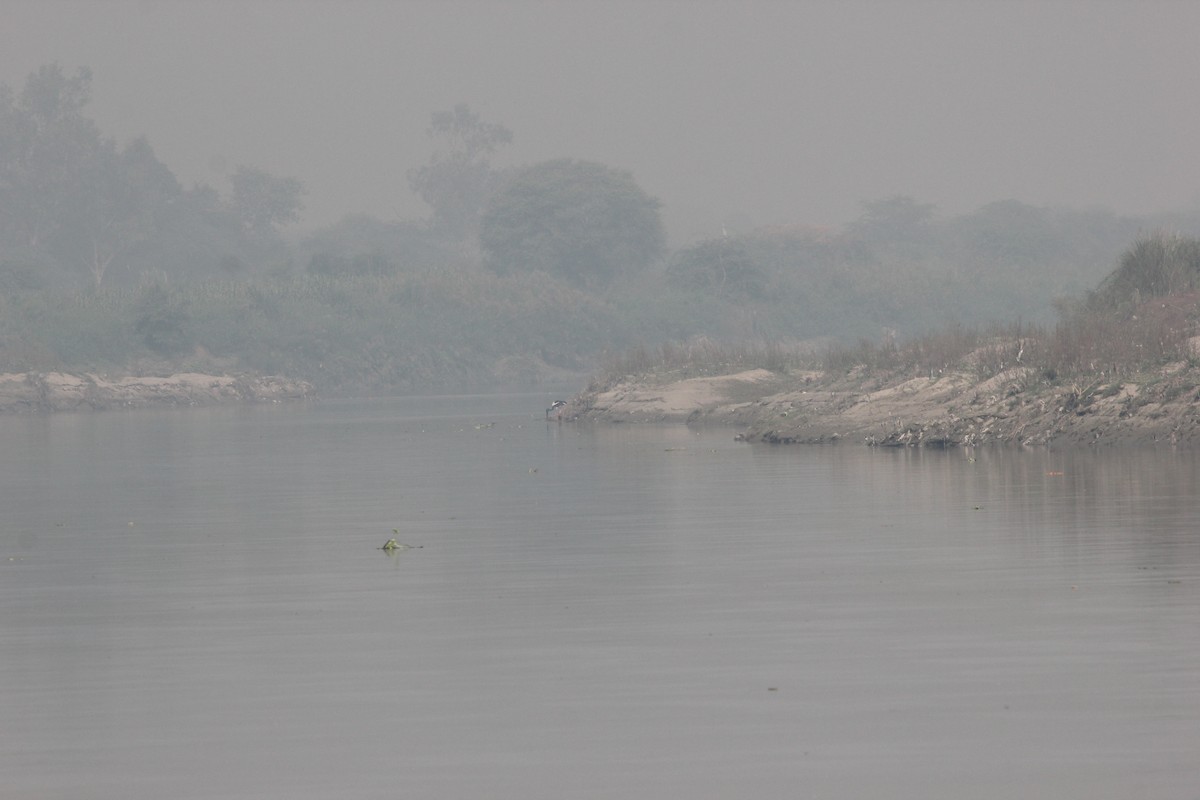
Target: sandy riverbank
58,391
950,409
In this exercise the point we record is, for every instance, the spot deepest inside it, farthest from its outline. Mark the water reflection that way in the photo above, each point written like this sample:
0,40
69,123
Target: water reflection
196,605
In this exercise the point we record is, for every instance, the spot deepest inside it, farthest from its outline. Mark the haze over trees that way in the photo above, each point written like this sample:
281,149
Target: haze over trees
518,275
75,205
578,220
459,179
263,203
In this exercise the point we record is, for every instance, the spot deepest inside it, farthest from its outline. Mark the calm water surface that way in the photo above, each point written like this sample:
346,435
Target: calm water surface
193,604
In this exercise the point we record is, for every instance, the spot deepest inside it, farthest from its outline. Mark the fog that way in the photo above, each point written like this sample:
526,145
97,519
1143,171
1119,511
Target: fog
733,114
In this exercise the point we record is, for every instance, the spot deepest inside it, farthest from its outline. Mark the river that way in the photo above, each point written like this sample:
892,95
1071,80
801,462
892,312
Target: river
194,604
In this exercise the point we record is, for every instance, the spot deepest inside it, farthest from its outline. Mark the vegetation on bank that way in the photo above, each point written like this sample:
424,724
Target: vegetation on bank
359,334
1121,367
469,328
1144,315
534,274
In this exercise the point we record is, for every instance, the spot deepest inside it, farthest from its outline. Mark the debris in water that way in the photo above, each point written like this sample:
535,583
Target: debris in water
391,545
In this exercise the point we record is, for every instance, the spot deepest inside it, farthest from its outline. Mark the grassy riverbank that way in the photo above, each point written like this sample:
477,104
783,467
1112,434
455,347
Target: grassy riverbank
1121,366
1096,378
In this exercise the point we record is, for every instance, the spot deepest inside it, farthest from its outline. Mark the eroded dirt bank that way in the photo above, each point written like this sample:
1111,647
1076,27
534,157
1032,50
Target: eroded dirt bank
950,409
57,391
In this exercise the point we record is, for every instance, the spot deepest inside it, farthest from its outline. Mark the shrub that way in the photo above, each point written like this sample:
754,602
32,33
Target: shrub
162,321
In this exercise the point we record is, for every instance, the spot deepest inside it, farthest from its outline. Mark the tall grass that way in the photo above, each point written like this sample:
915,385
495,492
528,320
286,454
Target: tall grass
1098,344
1157,264
1089,342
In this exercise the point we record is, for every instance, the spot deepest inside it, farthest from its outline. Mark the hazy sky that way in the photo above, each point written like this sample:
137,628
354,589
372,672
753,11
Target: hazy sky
734,113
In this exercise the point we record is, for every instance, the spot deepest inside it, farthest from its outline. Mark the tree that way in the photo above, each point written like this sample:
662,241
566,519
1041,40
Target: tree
67,192
897,220
263,202
361,244
71,200
119,204
458,179
579,220
195,235
722,266
46,146
1010,232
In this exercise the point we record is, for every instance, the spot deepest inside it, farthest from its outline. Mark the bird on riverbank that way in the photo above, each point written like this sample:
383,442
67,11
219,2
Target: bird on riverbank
556,408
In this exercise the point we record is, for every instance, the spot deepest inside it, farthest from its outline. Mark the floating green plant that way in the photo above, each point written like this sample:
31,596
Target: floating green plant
391,545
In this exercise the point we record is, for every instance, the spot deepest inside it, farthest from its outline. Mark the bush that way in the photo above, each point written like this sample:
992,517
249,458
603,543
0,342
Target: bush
162,321
1157,264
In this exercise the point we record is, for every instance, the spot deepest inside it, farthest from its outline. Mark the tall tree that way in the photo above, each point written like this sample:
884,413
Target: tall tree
67,193
46,149
72,200
359,244
722,267
120,204
893,220
1009,232
581,220
458,179
264,202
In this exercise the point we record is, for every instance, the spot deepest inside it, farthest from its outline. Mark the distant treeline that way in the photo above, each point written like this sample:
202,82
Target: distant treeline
108,263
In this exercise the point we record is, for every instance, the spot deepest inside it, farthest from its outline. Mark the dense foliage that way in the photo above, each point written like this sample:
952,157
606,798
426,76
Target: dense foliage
458,180
578,220
518,276
362,334
75,207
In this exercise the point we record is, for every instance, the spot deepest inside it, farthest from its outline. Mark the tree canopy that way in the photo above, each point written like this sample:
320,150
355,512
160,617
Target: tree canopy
724,266
897,220
458,179
263,201
360,244
579,220
75,205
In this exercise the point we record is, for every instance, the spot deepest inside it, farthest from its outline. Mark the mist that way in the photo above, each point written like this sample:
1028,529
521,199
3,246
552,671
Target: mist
733,115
